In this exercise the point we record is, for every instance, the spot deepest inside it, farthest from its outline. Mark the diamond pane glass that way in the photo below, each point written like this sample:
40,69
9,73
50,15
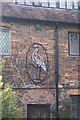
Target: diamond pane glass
74,43
75,106
4,42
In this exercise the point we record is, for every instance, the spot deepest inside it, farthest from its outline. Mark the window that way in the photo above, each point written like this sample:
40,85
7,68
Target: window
37,4
29,2
69,4
62,3
74,44
52,3
75,4
5,45
19,1
75,106
45,3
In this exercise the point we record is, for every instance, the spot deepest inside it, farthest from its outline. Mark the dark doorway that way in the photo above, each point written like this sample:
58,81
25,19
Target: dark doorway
38,111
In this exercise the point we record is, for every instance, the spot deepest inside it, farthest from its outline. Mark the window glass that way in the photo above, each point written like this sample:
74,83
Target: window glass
29,2
75,106
69,4
75,4
74,43
62,3
45,3
52,3
5,42
37,3
20,1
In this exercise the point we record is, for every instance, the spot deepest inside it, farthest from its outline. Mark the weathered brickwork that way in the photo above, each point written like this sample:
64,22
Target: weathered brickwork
39,26
68,65
23,35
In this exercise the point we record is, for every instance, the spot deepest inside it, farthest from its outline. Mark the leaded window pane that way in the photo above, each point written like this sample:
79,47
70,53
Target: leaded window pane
52,3
29,2
75,106
20,1
4,42
37,3
74,43
69,4
62,3
75,4
45,3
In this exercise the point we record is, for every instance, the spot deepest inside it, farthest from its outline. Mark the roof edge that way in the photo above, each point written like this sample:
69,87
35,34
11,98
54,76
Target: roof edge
37,13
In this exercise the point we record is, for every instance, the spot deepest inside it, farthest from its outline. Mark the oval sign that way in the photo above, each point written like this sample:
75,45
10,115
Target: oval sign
37,63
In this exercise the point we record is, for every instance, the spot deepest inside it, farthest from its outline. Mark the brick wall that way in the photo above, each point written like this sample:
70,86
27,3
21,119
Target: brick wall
68,65
23,34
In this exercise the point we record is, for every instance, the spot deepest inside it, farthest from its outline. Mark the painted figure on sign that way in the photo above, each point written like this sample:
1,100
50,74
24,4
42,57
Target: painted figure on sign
37,63
38,60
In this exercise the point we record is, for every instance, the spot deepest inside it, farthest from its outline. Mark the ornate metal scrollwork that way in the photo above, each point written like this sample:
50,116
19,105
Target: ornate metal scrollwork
37,63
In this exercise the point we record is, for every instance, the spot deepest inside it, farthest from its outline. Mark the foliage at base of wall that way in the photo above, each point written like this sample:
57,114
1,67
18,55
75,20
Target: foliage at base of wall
9,107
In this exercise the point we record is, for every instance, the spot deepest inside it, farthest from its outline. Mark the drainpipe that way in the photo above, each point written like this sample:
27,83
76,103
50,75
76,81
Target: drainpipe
56,69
